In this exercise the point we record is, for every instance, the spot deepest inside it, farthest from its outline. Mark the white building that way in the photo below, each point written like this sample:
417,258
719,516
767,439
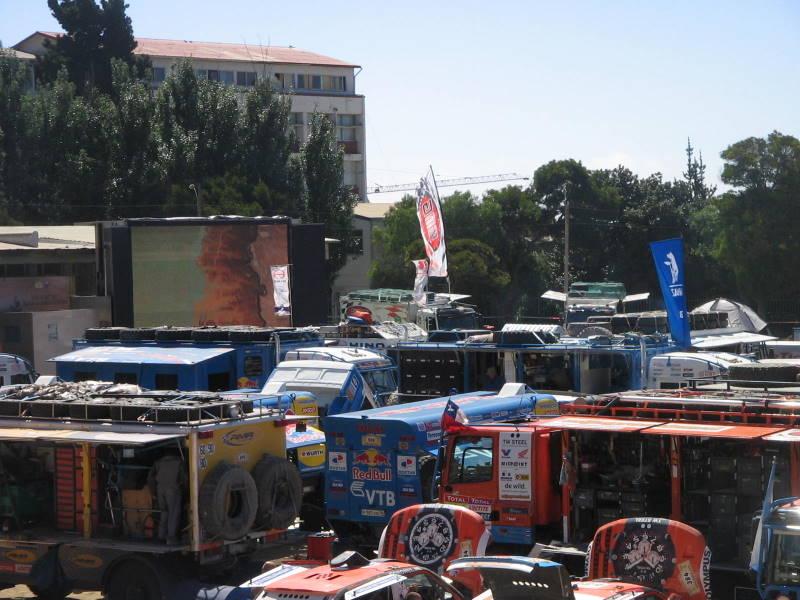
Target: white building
354,275
316,83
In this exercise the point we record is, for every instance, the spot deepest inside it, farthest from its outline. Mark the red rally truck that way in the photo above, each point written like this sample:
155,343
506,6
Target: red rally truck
700,458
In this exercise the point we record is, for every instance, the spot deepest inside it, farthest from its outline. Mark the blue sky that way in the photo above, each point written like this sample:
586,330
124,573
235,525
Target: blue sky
475,88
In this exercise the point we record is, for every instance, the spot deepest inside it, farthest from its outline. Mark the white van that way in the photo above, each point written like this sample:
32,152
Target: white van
15,370
676,369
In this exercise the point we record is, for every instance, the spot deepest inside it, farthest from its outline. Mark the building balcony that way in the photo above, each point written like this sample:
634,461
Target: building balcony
349,147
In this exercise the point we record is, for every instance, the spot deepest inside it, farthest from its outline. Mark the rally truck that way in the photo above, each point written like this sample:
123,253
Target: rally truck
692,455
384,459
79,463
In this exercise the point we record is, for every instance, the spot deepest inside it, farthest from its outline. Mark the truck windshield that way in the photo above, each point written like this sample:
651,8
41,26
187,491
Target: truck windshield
784,557
471,460
381,382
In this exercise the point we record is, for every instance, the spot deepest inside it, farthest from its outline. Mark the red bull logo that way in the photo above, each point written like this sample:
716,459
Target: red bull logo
371,474
370,458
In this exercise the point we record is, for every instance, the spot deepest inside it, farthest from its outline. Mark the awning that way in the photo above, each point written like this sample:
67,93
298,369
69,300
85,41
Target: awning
741,432
142,355
597,424
787,435
728,339
68,436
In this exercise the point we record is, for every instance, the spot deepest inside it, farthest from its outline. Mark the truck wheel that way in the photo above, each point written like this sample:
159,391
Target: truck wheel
280,492
133,580
427,470
228,502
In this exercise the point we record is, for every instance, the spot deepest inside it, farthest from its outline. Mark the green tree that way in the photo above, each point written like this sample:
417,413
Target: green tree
758,236
327,200
94,35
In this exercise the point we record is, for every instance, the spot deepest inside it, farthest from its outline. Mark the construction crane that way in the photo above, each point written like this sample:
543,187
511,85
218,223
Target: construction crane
405,187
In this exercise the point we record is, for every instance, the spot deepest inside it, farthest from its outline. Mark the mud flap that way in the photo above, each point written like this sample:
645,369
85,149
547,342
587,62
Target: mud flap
47,573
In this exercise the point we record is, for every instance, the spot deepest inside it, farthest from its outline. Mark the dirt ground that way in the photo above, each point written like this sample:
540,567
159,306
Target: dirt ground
293,546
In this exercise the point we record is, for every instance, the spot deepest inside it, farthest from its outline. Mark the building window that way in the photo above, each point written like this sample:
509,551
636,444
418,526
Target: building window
218,382
213,75
346,132
166,381
159,74
125,378
226,77
201,73
337,83
245,78
253,366
84,376
316,82
301,81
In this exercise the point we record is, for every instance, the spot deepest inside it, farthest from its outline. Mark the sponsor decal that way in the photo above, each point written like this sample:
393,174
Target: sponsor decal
369,429
246,382
482,506
340,441
644,553
371,474
431,538
312,456
207,449
203,462
546,407
403,445
515,465
22,569
86,561
337,485
408,490
238,438
372,440
243,458
434,435
6,567
371,458
20,555
374,497
337,461
372,512
406,466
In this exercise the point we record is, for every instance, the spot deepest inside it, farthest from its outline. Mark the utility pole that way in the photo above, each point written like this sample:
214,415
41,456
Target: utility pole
566,251
196,199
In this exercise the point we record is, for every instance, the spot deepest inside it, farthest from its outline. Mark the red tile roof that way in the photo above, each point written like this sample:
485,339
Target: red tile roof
253,53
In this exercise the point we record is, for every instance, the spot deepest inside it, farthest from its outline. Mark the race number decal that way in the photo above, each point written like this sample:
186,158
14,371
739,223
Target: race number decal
516,450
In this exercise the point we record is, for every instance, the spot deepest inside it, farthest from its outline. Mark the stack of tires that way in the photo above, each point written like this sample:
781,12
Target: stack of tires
234,502
773,371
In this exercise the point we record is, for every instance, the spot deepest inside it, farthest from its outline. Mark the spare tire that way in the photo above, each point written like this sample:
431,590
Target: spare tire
280,492
228,502
174,334
137,333
102,333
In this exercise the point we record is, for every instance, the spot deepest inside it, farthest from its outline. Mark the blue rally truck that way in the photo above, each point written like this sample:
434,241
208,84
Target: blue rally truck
384,459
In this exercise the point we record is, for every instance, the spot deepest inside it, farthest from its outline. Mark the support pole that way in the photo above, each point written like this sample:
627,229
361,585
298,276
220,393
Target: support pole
86,468
675,472
565,491
194,488
566,252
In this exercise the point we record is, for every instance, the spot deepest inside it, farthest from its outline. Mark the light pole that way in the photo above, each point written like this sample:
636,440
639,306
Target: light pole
196,199
566,251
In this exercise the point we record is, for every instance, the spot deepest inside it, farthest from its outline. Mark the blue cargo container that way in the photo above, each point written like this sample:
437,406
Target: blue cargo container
186,365
384,459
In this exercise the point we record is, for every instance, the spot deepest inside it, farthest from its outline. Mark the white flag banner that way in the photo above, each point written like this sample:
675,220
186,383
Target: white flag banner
420,281
281,291
429,213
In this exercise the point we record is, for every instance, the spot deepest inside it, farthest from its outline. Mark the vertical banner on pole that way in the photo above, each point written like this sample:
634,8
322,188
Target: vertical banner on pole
429,213
420,281
668,258
281,291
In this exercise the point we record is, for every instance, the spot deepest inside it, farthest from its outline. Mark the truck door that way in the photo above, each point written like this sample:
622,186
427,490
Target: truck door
469,473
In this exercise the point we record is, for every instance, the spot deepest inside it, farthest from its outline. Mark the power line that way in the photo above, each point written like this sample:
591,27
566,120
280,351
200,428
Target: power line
407,187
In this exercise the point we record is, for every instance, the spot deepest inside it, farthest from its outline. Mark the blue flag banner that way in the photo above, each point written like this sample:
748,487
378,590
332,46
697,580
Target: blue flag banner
668,258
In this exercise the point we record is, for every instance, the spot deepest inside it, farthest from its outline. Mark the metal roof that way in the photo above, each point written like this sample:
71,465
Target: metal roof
249,53
372,210
70,436
59,237
728,339
143,355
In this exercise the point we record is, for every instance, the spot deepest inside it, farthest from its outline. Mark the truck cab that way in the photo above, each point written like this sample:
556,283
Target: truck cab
779,554
506,473
15,370
378,371
384,459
